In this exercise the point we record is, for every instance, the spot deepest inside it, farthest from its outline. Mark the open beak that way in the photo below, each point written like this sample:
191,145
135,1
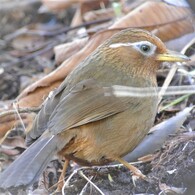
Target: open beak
172,56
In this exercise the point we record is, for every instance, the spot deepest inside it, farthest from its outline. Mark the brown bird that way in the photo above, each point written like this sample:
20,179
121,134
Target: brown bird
85,120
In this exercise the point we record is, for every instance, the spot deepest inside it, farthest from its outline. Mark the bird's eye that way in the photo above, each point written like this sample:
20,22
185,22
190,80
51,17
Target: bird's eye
145,48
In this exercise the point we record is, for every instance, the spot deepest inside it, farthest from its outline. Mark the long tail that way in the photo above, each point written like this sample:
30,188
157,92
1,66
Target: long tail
25,170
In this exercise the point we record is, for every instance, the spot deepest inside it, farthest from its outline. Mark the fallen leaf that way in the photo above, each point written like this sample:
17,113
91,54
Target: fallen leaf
56,6
33,99
59,5
9,152
64,51
170,189
84,7
168,21
15,141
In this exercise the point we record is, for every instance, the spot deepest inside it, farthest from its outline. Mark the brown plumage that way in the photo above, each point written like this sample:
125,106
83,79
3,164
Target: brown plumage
84,120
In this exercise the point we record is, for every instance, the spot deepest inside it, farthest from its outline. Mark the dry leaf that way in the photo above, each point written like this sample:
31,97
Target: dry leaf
64,51
9,152
11,121
170,189
168,21
63,4
84,7
16,141
109,12
98,14
59,5
42,91
6,128
179,43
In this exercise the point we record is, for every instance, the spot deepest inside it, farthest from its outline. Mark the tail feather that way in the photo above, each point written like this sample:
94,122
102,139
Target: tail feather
25,170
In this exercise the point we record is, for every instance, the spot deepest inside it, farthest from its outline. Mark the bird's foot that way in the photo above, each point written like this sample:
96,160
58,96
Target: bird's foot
136,173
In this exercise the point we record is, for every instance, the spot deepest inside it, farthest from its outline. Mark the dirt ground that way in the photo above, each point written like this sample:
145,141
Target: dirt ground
171,172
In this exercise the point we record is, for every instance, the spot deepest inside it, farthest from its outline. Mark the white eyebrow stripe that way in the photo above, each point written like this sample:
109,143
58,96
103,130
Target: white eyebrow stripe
116,45
136,46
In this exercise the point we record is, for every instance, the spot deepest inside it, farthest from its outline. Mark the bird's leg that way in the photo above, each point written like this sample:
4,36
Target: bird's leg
134,170
61,179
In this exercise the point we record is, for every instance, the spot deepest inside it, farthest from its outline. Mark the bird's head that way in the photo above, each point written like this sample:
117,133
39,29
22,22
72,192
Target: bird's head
138,52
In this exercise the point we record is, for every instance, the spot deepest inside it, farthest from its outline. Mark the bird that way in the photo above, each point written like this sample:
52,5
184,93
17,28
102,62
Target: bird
85,120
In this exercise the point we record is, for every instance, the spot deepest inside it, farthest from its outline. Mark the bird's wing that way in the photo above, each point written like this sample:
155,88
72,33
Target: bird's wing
40,123
86,102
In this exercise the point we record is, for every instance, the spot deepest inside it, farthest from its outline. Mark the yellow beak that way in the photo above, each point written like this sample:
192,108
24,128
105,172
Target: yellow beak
172,56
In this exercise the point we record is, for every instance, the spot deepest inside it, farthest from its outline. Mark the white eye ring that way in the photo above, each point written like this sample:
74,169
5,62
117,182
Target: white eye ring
144,47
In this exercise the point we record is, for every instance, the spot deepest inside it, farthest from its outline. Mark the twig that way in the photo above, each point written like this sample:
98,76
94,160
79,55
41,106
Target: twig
21,121
19,110
125,91
30,56
68,180
55,33
167,81
85,187
170,76
86,178
176,101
